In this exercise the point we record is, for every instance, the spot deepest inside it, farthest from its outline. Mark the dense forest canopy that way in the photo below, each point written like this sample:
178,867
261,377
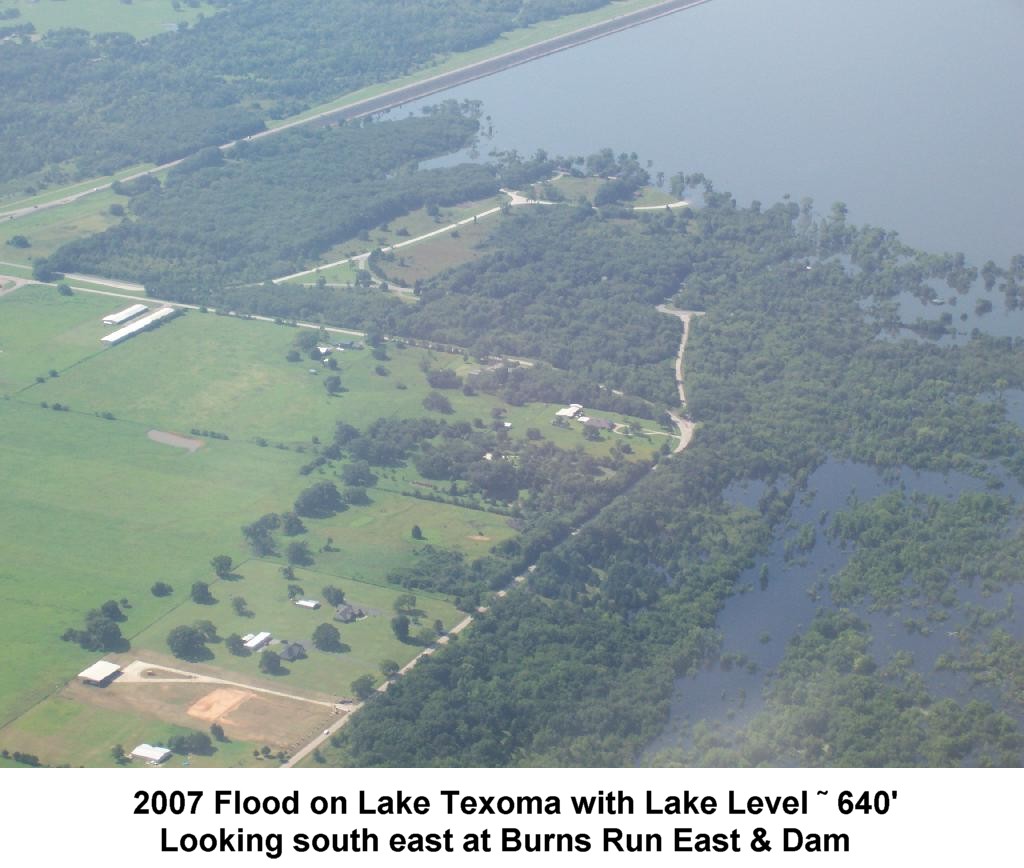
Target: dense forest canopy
267,208
798,359
79,105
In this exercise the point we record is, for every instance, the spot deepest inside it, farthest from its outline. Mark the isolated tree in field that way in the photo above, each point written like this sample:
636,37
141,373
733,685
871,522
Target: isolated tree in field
217,731
319,501
389,668
295,591
186,642
161,589
298,553
417,532
437,403
117,752
222,566
400,626
332,384
241,607
362,687
64,289
270,663
200,593
334,596
235,644
327,638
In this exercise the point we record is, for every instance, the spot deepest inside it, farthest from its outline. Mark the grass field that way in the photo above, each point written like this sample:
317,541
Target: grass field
92,509
327,674
140,18
42,331
50,228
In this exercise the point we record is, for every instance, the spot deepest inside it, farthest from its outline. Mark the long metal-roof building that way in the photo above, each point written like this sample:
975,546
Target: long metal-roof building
137,326
124,315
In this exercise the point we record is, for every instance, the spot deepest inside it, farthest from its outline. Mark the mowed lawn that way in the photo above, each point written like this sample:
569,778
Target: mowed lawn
140,18
92,510
41,330
63,731
365,643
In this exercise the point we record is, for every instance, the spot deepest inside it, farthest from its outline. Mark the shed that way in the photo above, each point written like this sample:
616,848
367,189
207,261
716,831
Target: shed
308,604
124,315
292,651
150,753
100,674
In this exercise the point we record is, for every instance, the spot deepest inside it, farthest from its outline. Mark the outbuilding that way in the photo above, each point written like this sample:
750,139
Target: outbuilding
149,753
308,604
100,674
255,641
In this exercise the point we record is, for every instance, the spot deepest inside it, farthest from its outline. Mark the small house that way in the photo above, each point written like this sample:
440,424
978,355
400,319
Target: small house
346,613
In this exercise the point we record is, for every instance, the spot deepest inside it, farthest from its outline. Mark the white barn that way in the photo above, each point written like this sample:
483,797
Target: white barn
124,315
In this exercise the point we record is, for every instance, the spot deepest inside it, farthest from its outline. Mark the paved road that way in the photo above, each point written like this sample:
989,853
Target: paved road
407,93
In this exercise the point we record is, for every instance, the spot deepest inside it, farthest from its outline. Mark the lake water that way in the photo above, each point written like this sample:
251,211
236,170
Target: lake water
908,111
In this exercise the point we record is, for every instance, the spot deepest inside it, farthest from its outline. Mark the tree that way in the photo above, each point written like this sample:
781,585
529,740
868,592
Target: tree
332,384
298,553
117,752
320,500
389,668
112,610
241,607
64,289
327,638
291,524
358,473
235,645
417,532
400,626
186,642
208,629
161,589
200,593
293,356
437,403
221,566
405,604
270,663
334,596
362,687
19,241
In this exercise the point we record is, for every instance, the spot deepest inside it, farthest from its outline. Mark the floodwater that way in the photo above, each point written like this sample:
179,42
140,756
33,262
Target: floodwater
908,112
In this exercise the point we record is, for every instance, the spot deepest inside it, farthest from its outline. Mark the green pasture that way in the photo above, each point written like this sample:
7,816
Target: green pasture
50,228
41,330
433,255
93,510
366,643
140,18
374,539
62,731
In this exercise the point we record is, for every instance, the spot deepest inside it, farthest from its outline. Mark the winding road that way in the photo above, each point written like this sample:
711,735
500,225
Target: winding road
685,426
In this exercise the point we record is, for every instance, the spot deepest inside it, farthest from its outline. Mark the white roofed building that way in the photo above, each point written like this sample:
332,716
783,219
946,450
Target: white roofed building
257,641
100,674
124,315
150,753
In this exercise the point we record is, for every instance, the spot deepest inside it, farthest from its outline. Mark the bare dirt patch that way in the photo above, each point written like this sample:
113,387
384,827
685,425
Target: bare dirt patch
259,718
218,703
479,537
169,439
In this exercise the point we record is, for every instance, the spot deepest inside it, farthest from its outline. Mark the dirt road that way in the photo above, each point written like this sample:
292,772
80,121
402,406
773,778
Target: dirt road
685,426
